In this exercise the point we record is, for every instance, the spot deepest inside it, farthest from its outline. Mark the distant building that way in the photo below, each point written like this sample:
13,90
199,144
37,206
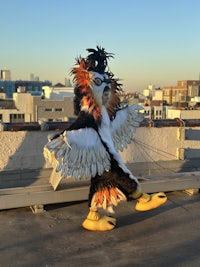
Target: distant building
33,87
159,112
154,112
185,114
5,75
146,93
34,78
28,108
8,87
2,94
181,94
153,97
157,95
68,83
58,91
148,112
31,77
53,110
194,102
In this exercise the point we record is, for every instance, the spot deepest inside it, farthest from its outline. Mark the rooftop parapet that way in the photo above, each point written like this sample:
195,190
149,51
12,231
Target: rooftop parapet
50,126
157,147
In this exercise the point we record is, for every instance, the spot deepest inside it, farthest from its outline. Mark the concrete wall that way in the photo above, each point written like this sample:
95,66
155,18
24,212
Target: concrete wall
24,149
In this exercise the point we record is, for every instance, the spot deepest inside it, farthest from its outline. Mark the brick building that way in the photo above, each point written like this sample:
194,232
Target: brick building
182,93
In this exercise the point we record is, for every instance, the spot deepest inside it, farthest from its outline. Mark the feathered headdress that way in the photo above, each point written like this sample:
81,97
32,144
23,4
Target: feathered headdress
85,95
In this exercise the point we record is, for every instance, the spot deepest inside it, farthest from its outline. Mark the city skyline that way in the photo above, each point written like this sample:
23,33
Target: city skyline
154,42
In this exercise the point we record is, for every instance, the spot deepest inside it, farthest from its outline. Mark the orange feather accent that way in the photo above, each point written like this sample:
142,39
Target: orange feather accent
106,194
100,198
82,78
113,192
107,197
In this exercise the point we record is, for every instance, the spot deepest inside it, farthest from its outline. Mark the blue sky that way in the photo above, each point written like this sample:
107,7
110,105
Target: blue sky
154,41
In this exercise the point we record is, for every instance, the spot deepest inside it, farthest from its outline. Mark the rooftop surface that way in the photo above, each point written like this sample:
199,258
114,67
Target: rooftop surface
168,236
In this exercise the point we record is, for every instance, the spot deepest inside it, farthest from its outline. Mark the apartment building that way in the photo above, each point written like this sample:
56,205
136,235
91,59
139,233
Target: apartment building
5,75
33,87
29,108
182,114
182,93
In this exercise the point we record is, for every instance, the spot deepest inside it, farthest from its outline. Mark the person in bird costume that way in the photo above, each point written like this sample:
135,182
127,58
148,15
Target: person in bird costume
88,149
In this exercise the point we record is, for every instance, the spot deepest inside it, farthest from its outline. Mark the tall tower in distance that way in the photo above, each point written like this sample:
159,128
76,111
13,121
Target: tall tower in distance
32,77
5,75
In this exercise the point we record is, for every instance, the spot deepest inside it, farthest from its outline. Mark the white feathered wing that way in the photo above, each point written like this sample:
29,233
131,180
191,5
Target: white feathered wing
78,154
124,125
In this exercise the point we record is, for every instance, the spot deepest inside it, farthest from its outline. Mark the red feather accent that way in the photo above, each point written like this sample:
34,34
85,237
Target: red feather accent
82,79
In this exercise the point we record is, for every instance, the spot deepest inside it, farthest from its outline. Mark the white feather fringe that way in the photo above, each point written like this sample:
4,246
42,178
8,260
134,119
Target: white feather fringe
78,153
124,125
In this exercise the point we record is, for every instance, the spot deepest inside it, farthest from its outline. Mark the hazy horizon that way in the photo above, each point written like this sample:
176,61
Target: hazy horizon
154,42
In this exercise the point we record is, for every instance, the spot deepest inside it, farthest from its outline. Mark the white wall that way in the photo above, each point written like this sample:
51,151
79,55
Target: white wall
24,149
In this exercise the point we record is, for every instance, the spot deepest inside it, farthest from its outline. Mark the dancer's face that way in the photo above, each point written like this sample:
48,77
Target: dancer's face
100,84
105,97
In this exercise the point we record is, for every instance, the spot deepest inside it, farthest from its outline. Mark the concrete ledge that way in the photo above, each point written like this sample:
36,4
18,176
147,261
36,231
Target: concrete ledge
37,126
37,177
41,176
24,197
44,194
171,182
